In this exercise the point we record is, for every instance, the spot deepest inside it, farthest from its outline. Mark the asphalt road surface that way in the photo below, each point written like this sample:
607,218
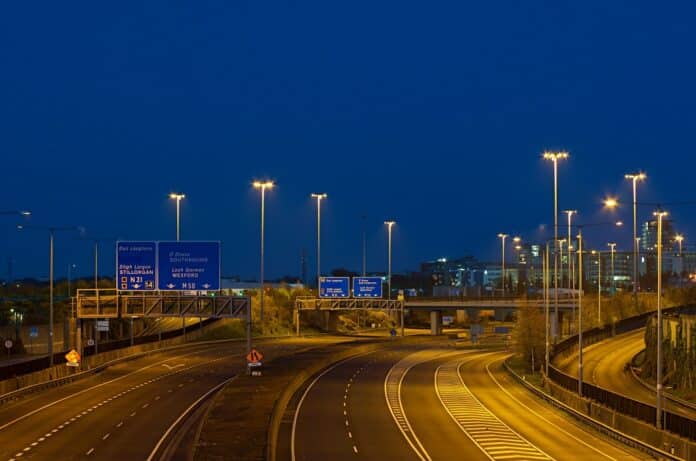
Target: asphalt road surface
122,412
435,404
604,365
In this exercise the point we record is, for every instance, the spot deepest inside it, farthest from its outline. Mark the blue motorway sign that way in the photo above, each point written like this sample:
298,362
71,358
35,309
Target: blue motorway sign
188,266
334,287
367,287
34,332
135,265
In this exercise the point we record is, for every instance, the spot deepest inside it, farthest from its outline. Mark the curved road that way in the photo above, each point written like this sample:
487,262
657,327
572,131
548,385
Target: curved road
436,404
604,366
122,412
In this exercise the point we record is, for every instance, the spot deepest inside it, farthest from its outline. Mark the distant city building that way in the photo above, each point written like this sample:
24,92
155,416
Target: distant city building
648,241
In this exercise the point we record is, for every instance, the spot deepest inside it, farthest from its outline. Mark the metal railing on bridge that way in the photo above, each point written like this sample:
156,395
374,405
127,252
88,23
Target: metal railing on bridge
309,303
112,304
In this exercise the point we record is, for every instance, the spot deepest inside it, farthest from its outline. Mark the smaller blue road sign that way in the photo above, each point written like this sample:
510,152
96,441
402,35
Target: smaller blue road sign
34,332
334,287
135,265
367,287
188,266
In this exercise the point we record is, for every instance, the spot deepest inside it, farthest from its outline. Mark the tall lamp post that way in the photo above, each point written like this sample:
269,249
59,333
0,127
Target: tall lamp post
502,238
178,198
389,224
555,157
635,177
612,246
70,268
319,198
580,311
51,238
262,185
659,214
599,286
680,240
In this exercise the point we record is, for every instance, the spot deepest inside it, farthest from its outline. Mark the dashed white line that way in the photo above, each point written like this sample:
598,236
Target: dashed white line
106,436
119,424
146,405
91,450
157,397
132,414
355,449
350,435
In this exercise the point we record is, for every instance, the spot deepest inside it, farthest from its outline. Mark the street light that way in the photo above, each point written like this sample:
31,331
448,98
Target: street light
16,212
319,197
389,224
51,233
555,157
635,177
679,238
612,245
262,185
659,214
580,311
599,285
502,238
611,202
178,198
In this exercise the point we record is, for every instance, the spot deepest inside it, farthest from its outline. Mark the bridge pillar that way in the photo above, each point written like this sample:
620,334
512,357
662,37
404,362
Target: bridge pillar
435,322
330,321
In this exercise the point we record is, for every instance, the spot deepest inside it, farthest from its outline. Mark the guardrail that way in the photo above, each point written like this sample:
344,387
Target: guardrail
674,423
597,425
30,366
666,395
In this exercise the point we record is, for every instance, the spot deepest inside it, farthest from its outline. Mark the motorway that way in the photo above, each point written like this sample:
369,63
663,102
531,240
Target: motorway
604,365
122,412
438,403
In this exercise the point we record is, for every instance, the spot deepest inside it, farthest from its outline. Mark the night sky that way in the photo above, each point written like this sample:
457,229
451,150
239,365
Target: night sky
434,114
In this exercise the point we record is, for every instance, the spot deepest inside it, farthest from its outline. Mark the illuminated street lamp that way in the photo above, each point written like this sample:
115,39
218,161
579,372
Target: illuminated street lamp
555,157
612,245
679,238
580,364
389,224
502,241
51,233
611,202
178,198
599,285
319,197
635,177
660,215
15,212
262,185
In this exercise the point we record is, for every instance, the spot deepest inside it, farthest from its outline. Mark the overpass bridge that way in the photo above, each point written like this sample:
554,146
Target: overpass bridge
502,308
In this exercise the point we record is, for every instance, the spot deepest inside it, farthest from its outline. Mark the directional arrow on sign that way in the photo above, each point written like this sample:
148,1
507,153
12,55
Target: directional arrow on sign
206,285
136,285
170,286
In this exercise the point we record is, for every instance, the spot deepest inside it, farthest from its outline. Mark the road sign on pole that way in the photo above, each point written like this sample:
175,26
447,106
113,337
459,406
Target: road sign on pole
367,287
135,266
188,266
334,287
72,358
103,325
34,332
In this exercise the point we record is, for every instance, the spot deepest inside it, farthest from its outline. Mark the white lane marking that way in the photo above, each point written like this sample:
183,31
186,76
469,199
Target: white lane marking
106,436
476,420
146,405
34,444
347,423
355,449
350,435
27,449
132,414
157,397
119,424
41,439
184,415
540,416
91,450
392,394
55,402
304,395
170,367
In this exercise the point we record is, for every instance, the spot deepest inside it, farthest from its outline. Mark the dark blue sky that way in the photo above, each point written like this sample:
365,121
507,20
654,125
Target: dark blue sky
434,114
